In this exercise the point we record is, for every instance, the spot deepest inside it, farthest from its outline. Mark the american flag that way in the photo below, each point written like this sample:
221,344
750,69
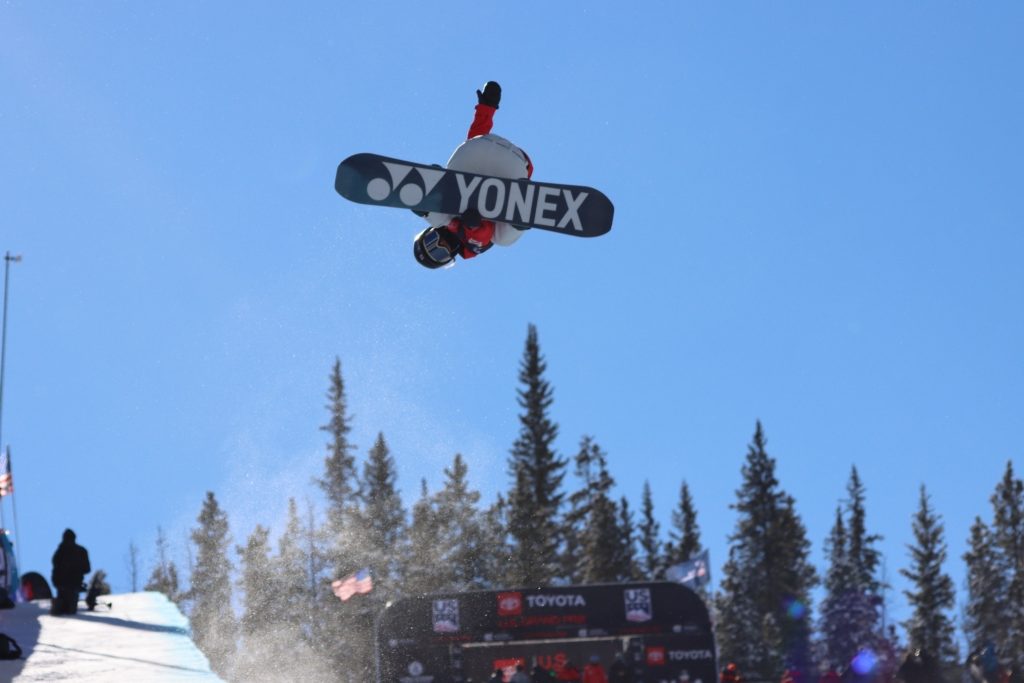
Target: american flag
359,582
6,478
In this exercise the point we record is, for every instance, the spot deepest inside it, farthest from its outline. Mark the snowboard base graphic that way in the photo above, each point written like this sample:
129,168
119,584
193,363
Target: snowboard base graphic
383,181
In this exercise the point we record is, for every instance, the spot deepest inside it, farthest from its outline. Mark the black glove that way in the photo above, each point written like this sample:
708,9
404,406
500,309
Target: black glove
490,95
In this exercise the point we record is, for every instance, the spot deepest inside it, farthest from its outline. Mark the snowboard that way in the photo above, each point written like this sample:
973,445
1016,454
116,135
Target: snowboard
383,181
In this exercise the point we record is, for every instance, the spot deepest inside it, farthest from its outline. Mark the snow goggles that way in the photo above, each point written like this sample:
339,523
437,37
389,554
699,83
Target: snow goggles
436,248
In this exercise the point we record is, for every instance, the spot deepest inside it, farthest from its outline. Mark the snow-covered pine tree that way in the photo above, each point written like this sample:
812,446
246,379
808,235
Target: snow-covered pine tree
763,606
1008,537
985,609
931,594
164,577
212,617
651,561
535,501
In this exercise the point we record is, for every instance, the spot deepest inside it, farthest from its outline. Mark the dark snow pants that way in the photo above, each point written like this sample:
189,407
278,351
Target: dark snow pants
66,600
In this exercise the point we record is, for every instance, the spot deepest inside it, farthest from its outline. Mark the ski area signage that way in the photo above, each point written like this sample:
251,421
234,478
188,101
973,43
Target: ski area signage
657,630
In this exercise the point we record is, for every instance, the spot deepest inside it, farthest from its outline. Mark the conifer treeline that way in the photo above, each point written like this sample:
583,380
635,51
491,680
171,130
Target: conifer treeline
291,625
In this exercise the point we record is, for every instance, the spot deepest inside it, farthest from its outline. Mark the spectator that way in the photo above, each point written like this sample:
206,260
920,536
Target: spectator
70,565
730,674
619,672
593,672
520,676
540,675
569,672
830,676
919,667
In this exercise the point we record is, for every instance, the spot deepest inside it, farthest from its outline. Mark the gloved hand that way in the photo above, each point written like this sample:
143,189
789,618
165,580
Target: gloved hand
490,95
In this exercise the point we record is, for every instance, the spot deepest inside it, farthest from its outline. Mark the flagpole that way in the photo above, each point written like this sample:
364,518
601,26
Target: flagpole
8,259
3,336
14,509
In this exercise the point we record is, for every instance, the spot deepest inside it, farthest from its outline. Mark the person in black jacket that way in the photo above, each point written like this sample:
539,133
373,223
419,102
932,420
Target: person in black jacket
919,667
70,565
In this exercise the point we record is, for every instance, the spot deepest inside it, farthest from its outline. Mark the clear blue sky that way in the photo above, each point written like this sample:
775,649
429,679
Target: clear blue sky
819,225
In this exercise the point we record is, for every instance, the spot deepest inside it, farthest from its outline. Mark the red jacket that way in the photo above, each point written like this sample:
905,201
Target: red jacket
594,673
569,673
477,240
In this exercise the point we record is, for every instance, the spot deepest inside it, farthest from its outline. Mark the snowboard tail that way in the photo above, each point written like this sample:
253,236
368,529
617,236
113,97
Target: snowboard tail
383,181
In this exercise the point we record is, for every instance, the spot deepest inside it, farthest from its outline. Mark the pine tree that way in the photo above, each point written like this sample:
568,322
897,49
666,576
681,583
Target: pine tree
864,557
464,546
851,611
930,627
265,654
339,482
424,571
597,528
535,501
684,536
495,529
381,518
212,617
298,569
1008,538
338,631
376,540
164,578
626,566
763,607
651,562
839,643
984,614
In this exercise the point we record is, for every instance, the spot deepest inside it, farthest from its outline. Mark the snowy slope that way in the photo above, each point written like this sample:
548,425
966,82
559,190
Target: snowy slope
142,637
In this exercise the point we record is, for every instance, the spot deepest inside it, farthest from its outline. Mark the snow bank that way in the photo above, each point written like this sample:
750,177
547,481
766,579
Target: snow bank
140,637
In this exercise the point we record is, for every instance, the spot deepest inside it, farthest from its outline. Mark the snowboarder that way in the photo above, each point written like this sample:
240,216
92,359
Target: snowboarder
469,235
70,565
